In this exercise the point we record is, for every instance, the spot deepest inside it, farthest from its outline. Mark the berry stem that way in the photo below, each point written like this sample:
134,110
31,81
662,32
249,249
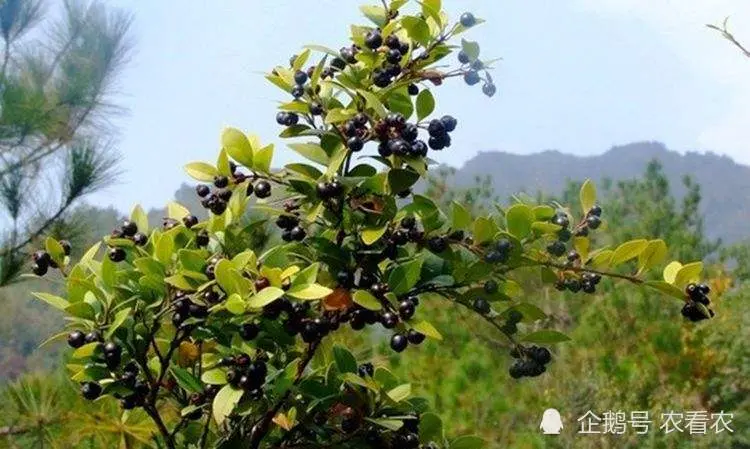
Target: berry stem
578,269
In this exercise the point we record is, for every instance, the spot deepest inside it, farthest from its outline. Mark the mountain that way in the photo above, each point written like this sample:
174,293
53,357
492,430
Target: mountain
725,184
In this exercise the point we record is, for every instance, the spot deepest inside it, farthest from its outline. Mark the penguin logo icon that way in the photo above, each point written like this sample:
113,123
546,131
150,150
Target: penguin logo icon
551,422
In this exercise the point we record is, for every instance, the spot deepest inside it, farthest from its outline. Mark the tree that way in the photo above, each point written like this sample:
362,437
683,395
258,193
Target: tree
55,101
224,346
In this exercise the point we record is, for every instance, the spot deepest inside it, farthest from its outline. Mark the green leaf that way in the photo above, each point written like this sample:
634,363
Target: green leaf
426,328
214,376
425,104
235,304
417,29
237,145
120,318
588,196
225,401
224,273
263,158
309,292
376,14
373,102
671,270
300,60
545,227
86,350
400,393
55,301
471,49
430,427
311,151
400,101
345,361
372,235
582,245
405,276
201,171
461,218
467,442
186,380
305,170
390,424
55,250
264,297
546,336
307,276
366,300
164,248
432,8
339,115
400,179
179,281
653,255
666,288
601,259
627,251
519,219
177,211
687,274
484,230
139,217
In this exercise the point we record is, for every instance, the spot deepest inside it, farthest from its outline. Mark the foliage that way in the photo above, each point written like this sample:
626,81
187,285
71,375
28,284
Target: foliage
248,345
55,98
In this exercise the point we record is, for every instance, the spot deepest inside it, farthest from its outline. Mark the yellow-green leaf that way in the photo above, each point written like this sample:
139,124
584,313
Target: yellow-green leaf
140,218
366,300
582,245
427,329
653,255
372,235
235,304
309,292
400,393
225,401
688,273
236,143
201,171
519,219
666,288
461,218
588,196
264,297
177,211
671,270
627,251
55,301
262,159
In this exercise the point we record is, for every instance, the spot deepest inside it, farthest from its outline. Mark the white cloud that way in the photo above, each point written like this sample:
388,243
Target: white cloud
681,24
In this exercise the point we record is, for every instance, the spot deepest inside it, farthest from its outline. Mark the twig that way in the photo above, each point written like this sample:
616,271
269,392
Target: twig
729,36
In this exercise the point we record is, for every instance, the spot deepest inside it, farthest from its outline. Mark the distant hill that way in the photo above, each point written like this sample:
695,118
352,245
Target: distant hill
725,184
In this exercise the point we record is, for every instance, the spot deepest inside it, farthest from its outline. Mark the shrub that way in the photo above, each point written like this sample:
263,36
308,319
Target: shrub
251,347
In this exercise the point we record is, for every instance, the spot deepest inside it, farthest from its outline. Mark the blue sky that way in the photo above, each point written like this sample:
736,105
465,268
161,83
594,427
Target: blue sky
577,75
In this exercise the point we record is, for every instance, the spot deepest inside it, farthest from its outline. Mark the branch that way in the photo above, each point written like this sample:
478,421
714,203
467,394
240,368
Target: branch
730,37
39,231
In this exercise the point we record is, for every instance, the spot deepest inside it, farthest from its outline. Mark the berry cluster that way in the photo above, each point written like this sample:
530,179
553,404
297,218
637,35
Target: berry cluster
529,362
138,389
287,118
356,132
399,138
248,374
42,261
697,294
184,308
499,252
292,231
511,323
587,282
394,50
300,78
